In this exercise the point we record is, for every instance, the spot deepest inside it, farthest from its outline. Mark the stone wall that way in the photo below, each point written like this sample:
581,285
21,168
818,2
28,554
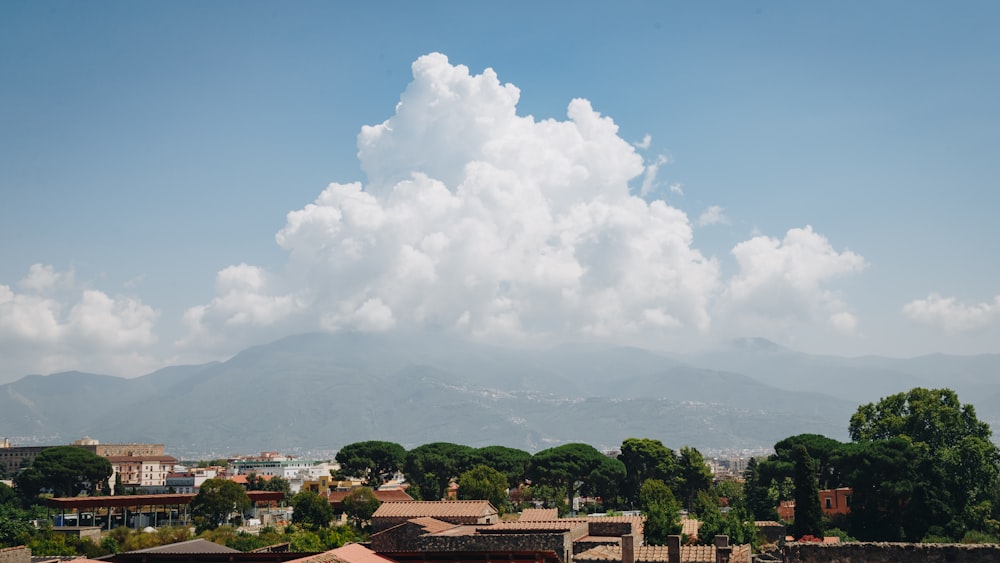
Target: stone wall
861,552
557,542
611,529
15,555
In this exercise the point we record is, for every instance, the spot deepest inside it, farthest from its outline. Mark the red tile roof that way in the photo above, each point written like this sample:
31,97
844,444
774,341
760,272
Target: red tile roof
535,514
658,554
350,553
434,509
391,495
432,526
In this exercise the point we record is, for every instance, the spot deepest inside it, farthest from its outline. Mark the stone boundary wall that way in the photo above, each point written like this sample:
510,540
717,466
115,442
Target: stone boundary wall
20,554
557,542
861,552
615,529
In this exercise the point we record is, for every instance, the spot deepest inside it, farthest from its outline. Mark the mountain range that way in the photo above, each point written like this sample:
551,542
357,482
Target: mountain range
321,391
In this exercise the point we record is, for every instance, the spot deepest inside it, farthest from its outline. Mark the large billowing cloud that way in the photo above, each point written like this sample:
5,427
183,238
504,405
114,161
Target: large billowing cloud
52,324
785,281
952,315
478,220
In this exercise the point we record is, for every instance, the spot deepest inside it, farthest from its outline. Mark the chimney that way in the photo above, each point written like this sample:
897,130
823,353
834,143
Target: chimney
628,548
673,549
722,549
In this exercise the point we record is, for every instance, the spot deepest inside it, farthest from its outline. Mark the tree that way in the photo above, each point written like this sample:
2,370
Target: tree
360,504
759,502
65,471
694,475
432,467
605,482
808,512
275,484
661,521
646,459
567,467
894,498
216,500
373,461
484,483
311,510
965,464
513,463
655,491
820,448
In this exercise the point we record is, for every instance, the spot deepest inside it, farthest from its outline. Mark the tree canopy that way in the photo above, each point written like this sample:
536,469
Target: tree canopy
373,461
484,483
65,471
646,459
432,467
311,510
216,500
694,475
808,512
567,467
513,463
961,464
360,504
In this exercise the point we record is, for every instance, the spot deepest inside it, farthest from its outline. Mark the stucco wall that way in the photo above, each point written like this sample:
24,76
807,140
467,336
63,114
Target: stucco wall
19,554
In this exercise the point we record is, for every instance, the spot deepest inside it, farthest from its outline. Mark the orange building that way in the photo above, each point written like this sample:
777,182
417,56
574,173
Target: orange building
832,501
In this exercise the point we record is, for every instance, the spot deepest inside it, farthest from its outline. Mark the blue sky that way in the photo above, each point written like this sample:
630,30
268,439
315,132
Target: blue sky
826,172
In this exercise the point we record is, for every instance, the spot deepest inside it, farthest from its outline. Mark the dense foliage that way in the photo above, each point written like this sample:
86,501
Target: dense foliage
921,466
64,471
217,500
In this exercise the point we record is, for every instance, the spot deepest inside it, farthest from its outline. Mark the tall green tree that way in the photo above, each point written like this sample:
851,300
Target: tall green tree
216,501
566,467
966,462
484,483
694,475
760,504
512,462
644,459
808,512
605,482
894,493
65,471
373,461
432,467
311,510
821,449
360,504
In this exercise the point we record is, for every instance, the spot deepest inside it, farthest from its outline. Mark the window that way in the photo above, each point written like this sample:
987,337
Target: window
828,503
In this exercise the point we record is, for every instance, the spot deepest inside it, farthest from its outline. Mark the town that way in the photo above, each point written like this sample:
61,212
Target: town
920,474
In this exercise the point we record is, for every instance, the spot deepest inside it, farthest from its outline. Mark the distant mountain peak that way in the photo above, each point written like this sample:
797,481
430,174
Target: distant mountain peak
757,344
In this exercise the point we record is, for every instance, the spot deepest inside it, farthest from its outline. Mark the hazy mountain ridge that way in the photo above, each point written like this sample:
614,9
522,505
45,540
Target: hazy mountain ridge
322,391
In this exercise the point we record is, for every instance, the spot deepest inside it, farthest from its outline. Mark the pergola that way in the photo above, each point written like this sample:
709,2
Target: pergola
138,503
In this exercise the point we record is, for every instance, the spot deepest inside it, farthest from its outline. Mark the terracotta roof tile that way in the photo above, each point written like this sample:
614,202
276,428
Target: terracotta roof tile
390,495
535,514
438,509
350,553
689,527
432,526
562,525
658,554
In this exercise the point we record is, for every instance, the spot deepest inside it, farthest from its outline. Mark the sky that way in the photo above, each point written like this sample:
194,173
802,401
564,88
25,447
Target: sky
182,180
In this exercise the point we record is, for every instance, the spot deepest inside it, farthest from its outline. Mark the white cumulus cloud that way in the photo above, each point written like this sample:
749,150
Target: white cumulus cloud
477,220
952,315
473,218
52,324
785,280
